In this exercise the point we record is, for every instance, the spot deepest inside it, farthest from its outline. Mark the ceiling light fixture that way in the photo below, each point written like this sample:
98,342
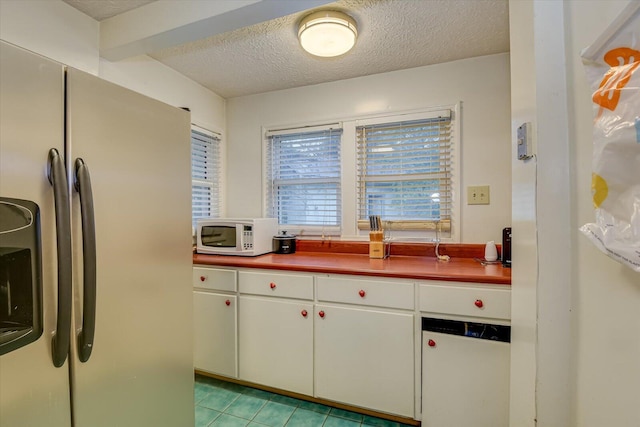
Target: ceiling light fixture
327,33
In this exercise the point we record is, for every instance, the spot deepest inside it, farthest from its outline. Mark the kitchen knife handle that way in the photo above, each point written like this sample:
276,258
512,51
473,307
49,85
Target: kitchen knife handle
58,179
82,185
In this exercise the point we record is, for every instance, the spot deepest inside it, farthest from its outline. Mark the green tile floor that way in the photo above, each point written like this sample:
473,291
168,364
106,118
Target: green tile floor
221,403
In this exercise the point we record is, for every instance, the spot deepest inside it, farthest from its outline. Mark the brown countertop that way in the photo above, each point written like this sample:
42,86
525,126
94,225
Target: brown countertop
399,266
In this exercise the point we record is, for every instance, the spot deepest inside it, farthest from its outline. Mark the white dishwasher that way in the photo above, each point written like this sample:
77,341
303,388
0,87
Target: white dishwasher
465,374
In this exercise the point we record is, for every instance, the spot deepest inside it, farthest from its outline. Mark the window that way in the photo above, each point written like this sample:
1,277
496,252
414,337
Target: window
303,178
404,172
205,174
403,167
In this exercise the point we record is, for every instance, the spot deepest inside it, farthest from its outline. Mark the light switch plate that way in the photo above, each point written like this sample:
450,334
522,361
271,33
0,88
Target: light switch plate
478,195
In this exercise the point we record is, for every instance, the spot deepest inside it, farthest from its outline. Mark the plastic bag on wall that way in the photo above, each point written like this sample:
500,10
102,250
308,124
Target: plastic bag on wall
612,65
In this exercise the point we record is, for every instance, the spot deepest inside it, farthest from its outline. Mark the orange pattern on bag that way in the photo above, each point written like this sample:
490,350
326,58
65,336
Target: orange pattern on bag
623,62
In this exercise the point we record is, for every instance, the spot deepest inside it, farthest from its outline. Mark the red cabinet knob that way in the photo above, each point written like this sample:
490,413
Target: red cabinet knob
202,278
479,303
227,302
272,285
362,293
304,313
321,314
431,343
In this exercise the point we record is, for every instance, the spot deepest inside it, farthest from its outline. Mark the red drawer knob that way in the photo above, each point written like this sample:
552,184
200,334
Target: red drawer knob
431,343
479,303
362,293
227,302
321,314
304,313
203,278
272,285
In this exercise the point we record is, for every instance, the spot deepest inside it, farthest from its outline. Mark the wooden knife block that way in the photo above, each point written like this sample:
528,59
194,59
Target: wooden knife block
376,245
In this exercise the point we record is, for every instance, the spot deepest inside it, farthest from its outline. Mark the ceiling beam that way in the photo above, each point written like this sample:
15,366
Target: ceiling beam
163,23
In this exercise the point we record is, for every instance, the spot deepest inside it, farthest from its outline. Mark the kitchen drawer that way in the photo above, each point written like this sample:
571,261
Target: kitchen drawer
366,292
277,285
476,301
215,279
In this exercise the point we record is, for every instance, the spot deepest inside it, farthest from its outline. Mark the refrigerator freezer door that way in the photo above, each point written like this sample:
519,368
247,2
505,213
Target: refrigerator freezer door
140,372
32,391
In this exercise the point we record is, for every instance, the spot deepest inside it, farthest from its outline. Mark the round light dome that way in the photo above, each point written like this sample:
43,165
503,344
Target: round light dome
327,33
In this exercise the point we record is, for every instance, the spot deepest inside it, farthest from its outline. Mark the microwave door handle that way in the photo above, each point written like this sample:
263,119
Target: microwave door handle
82,185
58,179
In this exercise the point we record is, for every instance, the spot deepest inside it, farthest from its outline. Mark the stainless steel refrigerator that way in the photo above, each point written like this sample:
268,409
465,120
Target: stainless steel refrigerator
95,252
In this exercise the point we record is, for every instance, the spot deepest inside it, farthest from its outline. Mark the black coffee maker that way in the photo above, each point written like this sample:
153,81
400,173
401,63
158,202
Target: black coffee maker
506,247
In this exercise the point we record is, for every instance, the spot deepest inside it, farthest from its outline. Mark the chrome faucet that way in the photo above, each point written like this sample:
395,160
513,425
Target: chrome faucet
436,240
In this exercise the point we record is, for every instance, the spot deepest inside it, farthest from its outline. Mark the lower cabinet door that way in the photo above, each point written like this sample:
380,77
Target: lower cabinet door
215,345
465,381
365,358
276,343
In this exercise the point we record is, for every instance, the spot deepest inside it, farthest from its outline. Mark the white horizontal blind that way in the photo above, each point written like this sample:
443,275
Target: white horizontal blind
404,171
205,174
303,173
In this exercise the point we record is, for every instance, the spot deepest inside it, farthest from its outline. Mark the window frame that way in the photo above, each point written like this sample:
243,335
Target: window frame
307,230
443,227
349,189
215,183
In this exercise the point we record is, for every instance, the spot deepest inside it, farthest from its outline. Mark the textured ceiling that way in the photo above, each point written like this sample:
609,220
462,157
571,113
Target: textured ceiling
103,9
392,35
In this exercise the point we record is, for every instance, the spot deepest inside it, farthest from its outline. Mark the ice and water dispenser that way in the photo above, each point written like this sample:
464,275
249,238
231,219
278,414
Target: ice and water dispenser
20,274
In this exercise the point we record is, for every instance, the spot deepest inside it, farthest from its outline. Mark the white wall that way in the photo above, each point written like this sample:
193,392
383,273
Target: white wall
575,341
154,79
56,30
524,256
545,319
481,84
53,29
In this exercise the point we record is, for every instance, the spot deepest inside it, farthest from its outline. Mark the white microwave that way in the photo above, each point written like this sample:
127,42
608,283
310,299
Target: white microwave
229,236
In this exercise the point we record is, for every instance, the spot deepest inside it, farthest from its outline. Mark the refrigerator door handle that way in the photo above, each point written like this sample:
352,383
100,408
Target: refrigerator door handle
82,185
58,179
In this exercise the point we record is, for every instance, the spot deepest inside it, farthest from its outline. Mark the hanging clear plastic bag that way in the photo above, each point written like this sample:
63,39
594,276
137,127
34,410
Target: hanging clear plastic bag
612,65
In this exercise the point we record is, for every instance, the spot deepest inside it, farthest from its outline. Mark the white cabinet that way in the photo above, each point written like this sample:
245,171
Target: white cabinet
274,284
465,381
357,341
369,292
215,321
215,279
364,356
276,343
215,333
276,331
489,301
